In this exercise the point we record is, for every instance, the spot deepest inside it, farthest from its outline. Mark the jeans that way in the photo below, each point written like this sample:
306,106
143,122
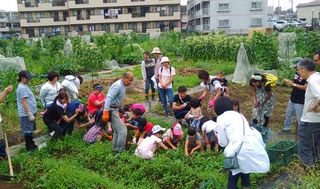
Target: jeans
120,131
179,114
309,142
293,108
147,86
164,93
2,149
233,180
54,126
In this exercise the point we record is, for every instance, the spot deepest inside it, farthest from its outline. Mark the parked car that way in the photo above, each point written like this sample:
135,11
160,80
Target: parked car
295,24
280,24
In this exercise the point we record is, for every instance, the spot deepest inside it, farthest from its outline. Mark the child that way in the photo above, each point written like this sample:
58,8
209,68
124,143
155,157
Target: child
235,105
195,113
193,143
173,136
27,108
97,132
224,83
207,130
148,146
137,122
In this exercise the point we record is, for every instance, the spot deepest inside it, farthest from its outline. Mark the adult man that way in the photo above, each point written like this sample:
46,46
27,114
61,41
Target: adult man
113,101
180,104
210,85
309,129
296,101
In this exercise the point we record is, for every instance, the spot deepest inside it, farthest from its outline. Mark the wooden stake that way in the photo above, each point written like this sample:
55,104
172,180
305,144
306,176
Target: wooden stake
8,154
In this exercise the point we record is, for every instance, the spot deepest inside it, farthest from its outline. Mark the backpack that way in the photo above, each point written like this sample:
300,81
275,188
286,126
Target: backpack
271,79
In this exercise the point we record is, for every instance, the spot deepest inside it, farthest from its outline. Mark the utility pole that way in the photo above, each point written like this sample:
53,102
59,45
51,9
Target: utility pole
291,13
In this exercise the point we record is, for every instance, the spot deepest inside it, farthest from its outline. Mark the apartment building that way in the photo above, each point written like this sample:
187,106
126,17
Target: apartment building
309,12
9,22
184,17
230,16
73,17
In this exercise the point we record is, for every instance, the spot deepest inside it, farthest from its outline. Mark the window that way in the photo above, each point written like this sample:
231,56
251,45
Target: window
256,6
256,22
223,23
223,7
109,1
197,7
198,22
91,27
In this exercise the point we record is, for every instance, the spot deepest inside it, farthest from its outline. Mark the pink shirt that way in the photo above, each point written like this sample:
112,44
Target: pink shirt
92,98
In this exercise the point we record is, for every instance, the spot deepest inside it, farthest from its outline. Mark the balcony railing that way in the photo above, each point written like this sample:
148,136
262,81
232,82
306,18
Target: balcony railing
83,17
82,2
58,3
109,1
32,20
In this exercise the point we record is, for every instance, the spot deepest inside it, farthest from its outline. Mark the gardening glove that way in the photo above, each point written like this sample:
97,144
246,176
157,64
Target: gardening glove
31,116
201,98
134,140
105,116
109,130
211,103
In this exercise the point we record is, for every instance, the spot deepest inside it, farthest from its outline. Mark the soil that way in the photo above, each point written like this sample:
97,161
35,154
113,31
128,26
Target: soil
9,185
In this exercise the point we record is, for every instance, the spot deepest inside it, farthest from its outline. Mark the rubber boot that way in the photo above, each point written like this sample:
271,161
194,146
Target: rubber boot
146,97
30,145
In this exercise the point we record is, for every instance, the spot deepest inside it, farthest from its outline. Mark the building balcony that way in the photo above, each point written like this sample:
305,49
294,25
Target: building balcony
42,22
43,7
118,3
4,29
122,18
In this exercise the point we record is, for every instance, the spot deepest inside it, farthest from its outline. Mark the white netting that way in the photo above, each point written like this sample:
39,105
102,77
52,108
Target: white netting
113,64
287,48
68,48
16,63
86,38
242,72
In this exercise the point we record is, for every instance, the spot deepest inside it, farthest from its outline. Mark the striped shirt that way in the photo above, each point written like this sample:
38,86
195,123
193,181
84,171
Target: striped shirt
92,135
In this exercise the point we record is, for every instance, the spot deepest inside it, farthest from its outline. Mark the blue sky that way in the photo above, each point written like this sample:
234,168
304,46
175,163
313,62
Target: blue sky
11,5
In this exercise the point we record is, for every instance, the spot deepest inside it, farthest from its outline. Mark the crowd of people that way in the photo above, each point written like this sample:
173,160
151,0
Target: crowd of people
105,118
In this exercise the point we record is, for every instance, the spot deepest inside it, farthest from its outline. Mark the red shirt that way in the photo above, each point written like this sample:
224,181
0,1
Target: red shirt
92,98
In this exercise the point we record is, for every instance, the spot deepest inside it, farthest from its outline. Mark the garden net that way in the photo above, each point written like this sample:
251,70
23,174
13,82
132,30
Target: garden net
113,64
68,48
16,63
242,72
287,48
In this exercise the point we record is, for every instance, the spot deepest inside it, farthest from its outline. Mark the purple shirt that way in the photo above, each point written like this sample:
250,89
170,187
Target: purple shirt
92,134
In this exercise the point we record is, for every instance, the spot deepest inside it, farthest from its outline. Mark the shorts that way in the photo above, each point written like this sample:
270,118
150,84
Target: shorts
210,137
26,125
144,154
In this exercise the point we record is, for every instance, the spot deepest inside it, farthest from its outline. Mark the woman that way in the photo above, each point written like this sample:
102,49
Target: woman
147,70
96,99
56,113
236,136
50,89
263,99
166,76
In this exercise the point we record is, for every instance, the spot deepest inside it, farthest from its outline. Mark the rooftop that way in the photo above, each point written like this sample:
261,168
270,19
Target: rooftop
311,4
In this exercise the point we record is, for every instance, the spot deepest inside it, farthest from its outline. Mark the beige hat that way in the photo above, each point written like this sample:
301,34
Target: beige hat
164,59
156,50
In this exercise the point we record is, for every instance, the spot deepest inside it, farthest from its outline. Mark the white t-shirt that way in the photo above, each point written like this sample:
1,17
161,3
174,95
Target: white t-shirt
209,126
165,73
149,144
312,94
49,92
167,134
211,86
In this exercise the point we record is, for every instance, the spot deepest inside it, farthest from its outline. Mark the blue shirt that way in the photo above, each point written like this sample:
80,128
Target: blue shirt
23,91
115,94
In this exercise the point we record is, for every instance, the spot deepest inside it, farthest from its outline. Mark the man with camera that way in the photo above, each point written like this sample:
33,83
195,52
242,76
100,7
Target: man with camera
180,104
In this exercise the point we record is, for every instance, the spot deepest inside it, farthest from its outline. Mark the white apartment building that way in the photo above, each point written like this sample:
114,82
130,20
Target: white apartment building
73,17
9,22
309,11
230,16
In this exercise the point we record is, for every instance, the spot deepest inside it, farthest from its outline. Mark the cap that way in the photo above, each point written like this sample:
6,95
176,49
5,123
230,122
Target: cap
256,77
99,87
156,50
177,129
157,128
25,74
164,59
182,89
295,61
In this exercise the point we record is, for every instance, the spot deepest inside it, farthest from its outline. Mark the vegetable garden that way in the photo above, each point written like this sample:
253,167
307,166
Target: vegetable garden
70,163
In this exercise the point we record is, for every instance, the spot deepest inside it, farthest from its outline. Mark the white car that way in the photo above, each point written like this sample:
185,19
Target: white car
280,24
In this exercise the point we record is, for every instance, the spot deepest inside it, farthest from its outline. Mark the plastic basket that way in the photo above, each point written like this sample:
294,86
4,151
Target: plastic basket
264,131
283,152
